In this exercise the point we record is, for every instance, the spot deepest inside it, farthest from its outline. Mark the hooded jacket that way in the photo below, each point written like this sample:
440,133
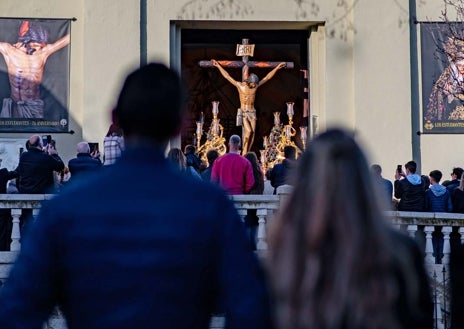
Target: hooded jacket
438,199
411,192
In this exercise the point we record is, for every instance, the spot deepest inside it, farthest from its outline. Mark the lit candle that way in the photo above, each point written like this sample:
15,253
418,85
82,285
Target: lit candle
199,128
303,133
276,118
215,107
265,142
290,108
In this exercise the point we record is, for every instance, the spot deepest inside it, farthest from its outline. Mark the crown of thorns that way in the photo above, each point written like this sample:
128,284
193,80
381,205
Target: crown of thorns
32,32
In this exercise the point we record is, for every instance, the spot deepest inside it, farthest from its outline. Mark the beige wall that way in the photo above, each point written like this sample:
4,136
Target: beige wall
361,81
382,83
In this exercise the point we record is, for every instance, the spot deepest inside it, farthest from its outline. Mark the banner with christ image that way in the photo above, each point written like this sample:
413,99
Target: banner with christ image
442,53
34,75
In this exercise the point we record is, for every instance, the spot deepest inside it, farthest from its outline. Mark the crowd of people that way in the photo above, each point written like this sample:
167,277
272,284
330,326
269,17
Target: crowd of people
414,192
169,250
41,170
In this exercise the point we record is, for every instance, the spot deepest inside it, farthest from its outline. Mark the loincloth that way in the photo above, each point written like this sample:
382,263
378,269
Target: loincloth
22,109
250,115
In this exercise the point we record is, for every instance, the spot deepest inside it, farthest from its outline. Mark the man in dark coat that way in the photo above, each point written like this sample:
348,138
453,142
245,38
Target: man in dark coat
191,159
279,174
37,166
455,179
84,162
36,170
410,189
142,245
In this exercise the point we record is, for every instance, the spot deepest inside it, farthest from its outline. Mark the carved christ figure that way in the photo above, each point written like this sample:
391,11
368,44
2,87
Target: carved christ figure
246,114
25,61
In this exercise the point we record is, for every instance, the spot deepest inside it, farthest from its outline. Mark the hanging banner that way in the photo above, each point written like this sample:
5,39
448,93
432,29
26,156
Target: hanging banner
34,75
442,53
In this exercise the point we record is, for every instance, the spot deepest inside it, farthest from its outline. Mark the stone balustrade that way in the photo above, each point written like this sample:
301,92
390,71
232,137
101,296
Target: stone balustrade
413,223
266,206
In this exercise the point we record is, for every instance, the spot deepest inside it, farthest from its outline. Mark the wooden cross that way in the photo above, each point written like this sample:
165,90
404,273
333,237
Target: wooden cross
245,50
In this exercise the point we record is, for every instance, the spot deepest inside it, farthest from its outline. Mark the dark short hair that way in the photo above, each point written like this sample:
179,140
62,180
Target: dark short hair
436,175
376,169
212,155
458,172
150,103
189,149
411,166
289,152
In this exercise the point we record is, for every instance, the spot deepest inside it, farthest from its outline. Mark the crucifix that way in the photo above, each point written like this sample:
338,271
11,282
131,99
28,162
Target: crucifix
246,114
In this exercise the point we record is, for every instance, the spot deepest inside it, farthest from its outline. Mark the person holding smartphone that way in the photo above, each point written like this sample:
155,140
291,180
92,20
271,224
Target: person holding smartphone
410,188
36,167
36,170
85,162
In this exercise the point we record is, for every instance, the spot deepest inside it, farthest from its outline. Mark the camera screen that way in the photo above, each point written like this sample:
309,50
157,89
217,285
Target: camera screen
46,139
93,147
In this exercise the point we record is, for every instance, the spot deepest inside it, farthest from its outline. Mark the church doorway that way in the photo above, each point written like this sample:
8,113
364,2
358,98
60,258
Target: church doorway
201,42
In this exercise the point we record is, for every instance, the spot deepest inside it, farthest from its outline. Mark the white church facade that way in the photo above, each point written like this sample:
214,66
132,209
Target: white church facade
363,60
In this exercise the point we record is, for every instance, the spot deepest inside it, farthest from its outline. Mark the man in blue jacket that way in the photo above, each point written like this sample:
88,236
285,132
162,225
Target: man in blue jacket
437,199
121,251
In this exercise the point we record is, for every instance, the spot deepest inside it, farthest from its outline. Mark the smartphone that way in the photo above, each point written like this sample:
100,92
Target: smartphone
93,147
46,139
399,169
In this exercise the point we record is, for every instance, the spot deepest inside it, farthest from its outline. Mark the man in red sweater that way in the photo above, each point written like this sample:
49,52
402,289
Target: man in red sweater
232,171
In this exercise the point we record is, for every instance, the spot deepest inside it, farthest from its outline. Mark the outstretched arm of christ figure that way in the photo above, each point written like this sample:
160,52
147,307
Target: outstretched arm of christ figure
57,45
271,74
3,47
224,73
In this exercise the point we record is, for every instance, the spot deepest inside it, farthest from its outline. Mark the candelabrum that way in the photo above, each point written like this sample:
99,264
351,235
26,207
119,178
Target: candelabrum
214,139
280,136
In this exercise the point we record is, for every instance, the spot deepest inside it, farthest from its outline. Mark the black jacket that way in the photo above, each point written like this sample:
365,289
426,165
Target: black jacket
83,163
451,184
5,176
412,197
280,173
36,171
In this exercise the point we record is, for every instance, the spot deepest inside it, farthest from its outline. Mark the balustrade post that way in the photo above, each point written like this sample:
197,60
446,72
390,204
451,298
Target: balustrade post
412,229
461,231
446,230
15,232
242,213
429,259
35,214
262,243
